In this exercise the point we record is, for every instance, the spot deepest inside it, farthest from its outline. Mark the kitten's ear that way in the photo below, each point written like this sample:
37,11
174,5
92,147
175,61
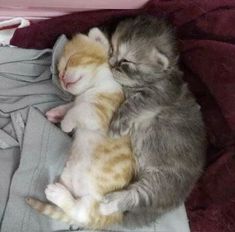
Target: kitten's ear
97,35
160,58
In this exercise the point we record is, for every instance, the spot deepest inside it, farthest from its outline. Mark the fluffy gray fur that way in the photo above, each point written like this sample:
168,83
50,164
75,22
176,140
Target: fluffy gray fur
160,114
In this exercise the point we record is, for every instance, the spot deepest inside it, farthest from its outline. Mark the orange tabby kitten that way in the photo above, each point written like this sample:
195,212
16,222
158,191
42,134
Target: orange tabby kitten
97,164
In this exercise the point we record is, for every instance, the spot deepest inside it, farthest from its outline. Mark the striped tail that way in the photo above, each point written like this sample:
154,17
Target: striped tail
49,210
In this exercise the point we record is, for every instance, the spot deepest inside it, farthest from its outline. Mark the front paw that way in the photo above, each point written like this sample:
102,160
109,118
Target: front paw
119,127
114,202
54,115
67,125
114,129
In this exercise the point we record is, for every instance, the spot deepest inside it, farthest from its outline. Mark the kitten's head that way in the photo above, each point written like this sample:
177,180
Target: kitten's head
81,59
143,48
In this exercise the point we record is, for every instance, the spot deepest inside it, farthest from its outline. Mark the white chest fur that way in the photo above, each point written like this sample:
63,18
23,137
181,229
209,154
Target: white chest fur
75,175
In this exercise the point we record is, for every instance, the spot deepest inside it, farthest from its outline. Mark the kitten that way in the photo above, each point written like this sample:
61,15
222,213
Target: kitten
97,164
162,117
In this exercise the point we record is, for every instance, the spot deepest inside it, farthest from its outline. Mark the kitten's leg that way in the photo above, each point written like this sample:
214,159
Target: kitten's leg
82,115
77,209
60,196
121,122
117,202
69,121
143,193
56,114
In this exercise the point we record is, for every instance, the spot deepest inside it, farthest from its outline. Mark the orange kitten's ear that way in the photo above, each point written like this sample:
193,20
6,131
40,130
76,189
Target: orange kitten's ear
97,35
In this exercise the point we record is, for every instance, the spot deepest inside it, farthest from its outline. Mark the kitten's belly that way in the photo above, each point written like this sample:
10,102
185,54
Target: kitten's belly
76,172
75,178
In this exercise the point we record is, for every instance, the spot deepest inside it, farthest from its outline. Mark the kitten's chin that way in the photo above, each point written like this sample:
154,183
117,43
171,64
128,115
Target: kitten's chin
70,88
73,91
77,89
70,84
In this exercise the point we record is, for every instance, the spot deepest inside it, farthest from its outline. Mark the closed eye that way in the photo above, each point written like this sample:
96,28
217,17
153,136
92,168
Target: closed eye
126,61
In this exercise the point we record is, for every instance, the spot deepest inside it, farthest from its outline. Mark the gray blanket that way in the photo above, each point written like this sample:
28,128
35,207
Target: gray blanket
32,150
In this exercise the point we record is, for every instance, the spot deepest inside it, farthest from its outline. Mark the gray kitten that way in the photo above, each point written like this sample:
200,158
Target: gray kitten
160,114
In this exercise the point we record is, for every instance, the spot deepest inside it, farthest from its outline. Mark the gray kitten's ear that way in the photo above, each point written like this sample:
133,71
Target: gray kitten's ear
160,58
97,35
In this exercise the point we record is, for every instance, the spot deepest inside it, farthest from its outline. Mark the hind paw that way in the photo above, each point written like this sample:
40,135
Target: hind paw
58,194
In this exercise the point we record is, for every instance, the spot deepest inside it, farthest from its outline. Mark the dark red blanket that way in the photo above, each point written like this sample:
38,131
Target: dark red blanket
206,31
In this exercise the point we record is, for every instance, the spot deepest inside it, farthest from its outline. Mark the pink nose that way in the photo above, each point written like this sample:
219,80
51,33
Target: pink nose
61,76
64,81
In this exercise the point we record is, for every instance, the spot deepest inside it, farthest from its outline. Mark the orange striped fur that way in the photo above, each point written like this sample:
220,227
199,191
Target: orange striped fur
112,165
